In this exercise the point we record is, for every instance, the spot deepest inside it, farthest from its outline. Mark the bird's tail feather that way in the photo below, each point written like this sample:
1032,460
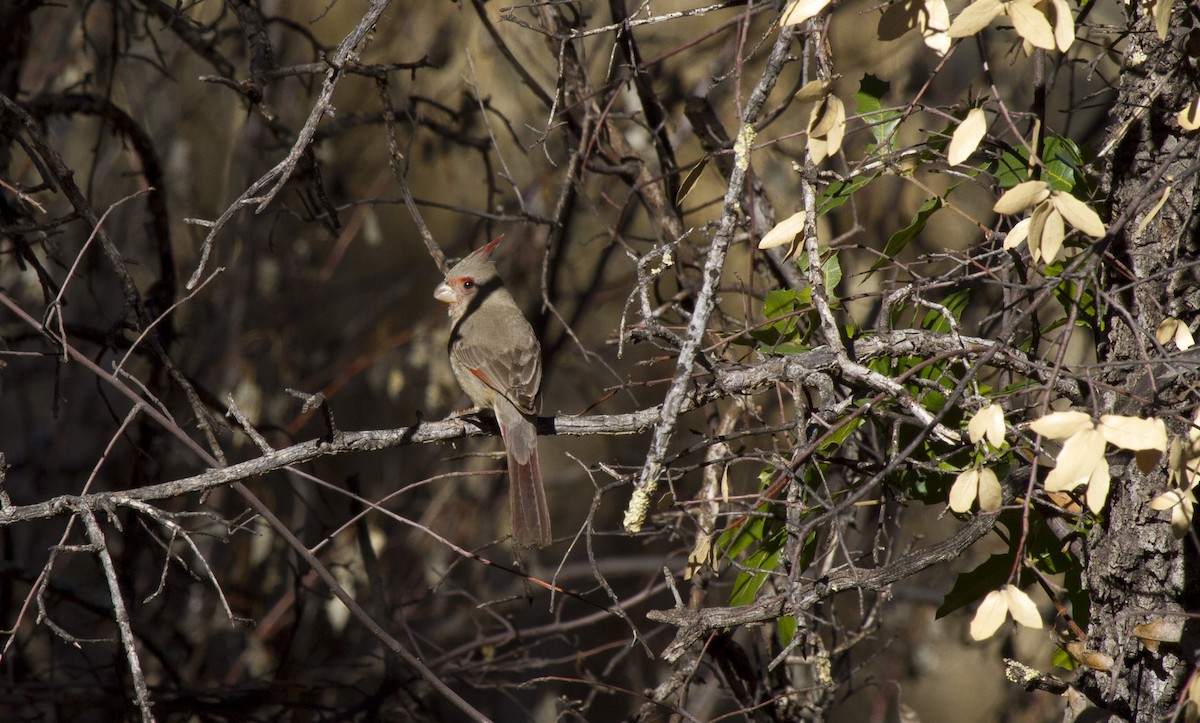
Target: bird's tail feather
526,495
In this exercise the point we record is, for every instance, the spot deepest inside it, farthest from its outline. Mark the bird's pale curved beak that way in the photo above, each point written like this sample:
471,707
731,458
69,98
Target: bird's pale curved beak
444,293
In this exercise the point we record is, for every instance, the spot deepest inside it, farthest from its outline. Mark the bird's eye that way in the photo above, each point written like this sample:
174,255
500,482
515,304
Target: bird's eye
468,284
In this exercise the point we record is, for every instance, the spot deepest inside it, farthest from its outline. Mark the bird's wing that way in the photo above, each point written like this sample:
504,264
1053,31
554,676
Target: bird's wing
507,358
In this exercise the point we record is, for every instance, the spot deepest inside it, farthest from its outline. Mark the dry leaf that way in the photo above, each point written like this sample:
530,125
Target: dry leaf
990,494
1052,236
1189,117
1060,425
990,615
784,231
964,491
1075,463
987,423
1017,234
1162,18
1064,25
1021,197
935,21
800,10
813,90
976,17
1134,433
1022,607
967,136
1031,24
1097,487
1078,214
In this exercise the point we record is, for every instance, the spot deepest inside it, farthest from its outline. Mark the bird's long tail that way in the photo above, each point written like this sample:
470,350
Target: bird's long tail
526,495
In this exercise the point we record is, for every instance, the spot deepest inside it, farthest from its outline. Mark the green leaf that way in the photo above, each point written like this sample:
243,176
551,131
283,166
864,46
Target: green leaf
787,629
954,303
1062,659
973,585
868,104
838,192
904,236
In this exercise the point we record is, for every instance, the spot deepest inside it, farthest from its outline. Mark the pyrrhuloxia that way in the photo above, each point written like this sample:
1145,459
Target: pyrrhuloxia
497,361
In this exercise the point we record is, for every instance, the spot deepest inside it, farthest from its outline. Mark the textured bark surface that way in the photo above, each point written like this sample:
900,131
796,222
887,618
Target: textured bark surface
1137,571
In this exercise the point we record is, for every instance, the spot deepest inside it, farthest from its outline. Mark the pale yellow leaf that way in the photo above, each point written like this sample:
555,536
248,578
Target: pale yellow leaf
1134,433
1098,484
975,18
1022,607
1162,18
813,90
1064,25
967,136
784,231
822,117
1166,329
1078,214
800,10
990,615
1060,425
1167,500
1075,463
1022,196
818,148
1181,518
838,131
962,494
1031,24
990,494
1183,338
935,21
1189,117
1162,201
1037,225
1019,233
1052,236
987,422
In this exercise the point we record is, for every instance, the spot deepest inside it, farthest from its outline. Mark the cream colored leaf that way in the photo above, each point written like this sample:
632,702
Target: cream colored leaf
1037,226
1052,236
935,21
990,494
822,117
800,10
974,18
1162,18
990,615
1078,214
1021,197
987,423
700,556
784,231
1031,24
813,90
1022,607
838,131
962,494
1146,219
1064,25
1167,500
1166,329
1181,518
1134,433
1098,484
1183,338
967,136
1189,117
1075,463
1060,425
1017,234
818,148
